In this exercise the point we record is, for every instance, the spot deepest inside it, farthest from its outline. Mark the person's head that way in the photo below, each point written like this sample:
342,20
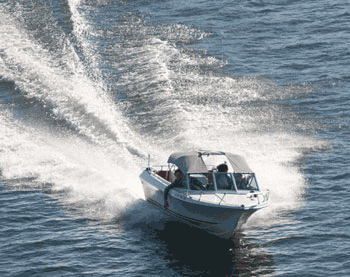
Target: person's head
178,174
222,168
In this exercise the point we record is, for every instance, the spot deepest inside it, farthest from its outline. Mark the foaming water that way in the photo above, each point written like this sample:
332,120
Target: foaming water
89,88
164,99
88,157
242,117
69,95
84,174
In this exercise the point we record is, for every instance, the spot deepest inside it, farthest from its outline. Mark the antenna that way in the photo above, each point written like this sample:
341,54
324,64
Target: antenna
149,161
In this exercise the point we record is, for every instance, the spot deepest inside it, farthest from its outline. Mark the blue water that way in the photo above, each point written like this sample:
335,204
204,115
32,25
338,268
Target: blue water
90,88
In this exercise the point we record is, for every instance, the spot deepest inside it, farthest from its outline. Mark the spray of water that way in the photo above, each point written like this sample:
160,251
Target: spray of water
153,98
90,158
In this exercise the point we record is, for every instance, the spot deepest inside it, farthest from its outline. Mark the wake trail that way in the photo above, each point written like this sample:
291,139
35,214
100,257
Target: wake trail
67,92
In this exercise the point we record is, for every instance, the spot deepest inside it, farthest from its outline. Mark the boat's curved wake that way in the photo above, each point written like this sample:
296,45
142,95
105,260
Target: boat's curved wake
82,106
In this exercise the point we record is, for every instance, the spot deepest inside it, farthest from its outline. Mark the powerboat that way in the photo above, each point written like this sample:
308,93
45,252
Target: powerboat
220,203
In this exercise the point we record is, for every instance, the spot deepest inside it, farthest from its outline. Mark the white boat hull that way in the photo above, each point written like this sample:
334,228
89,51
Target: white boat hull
217,215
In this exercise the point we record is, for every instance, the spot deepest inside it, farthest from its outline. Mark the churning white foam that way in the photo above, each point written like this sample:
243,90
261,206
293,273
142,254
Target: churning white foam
92,164
98,163
105,183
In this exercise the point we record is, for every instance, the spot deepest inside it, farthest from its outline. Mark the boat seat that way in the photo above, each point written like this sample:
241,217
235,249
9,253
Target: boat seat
164,174
209,176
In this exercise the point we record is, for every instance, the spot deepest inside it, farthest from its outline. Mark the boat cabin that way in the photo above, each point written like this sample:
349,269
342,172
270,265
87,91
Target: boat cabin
211,171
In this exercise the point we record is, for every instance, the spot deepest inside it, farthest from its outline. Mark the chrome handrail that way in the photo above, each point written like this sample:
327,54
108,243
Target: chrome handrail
221,199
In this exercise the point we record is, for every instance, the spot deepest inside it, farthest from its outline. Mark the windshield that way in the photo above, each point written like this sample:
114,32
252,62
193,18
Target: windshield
245,181
223,181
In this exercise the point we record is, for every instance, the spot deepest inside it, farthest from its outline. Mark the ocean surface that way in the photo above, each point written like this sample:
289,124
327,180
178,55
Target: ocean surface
89,88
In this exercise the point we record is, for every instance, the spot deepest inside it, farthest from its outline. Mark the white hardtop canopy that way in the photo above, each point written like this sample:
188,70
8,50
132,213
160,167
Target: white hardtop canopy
192,161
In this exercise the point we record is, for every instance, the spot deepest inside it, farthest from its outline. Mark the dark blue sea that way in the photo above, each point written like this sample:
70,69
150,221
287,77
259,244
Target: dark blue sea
89,88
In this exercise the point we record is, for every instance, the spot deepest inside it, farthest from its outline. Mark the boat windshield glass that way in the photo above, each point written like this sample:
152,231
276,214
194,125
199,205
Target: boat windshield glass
199,181
245,181
223,181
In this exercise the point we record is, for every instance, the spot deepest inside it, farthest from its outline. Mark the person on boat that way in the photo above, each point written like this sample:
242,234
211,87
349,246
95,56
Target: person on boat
242,182
180,182
223,181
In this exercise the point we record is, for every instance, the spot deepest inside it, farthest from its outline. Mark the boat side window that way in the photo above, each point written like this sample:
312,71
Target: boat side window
246,181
